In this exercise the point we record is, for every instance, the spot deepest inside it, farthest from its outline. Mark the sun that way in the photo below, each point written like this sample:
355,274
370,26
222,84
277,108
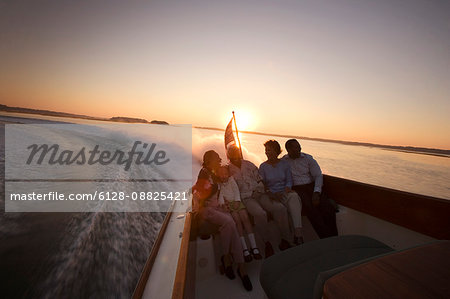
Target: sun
245,120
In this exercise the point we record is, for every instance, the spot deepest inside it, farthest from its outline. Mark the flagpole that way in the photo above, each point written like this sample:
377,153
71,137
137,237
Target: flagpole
237,135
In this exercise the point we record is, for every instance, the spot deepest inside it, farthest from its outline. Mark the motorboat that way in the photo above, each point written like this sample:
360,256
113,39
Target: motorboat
183,265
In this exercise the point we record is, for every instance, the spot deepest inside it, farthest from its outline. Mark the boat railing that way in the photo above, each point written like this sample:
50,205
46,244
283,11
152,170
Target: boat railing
140,287
424,214
183,285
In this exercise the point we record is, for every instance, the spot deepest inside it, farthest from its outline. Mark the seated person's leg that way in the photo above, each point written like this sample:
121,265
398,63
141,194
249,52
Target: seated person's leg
293,203
245,221
237,220
240,228
228,232
279,213
251,236
305,194
316,215
328,213
259,215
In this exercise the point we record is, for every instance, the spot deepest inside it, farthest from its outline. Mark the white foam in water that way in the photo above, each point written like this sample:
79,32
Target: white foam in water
130,180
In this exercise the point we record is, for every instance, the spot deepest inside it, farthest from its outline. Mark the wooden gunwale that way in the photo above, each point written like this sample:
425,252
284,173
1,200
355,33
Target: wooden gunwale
181,277
140,287
424,214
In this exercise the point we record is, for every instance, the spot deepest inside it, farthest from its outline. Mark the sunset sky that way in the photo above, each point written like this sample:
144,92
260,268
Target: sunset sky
359,70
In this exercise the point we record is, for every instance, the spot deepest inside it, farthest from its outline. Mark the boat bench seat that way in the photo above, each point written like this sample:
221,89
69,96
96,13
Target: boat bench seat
301,271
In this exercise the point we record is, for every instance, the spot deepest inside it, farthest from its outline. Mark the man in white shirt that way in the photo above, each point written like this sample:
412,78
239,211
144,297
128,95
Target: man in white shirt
307,182
257,201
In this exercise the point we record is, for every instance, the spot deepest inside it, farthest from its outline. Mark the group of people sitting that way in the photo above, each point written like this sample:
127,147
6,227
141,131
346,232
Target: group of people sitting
225,195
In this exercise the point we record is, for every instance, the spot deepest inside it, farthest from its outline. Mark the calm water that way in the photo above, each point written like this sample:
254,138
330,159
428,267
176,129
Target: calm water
416,173
101,255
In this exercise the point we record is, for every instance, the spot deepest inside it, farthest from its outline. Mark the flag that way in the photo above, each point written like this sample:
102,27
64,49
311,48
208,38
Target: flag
229,136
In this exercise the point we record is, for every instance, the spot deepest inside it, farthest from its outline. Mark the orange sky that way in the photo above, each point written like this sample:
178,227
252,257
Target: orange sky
371,72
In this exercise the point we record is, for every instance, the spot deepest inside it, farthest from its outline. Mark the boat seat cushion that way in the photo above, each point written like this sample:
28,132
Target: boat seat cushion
293,272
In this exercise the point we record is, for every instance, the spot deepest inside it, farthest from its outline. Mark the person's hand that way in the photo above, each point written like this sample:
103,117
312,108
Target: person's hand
224,207
316,198
287,189
272,196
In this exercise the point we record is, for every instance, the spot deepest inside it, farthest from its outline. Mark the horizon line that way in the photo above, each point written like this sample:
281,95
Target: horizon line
408,148
411,149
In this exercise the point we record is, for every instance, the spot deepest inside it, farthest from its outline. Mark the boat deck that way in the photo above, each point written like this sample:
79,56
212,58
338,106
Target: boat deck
211,284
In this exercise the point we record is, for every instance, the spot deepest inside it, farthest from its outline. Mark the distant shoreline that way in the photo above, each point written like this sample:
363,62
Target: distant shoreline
416,152
407,149
121,119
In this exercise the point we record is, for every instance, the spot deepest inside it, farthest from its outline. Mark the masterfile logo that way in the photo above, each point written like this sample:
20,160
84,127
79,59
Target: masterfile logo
105,157
96,168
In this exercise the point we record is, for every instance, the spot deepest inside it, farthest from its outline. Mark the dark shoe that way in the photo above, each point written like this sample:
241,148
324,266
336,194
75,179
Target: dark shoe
205,237
245,281
284,245
228,270
256,254
268,250
247,256
298,241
